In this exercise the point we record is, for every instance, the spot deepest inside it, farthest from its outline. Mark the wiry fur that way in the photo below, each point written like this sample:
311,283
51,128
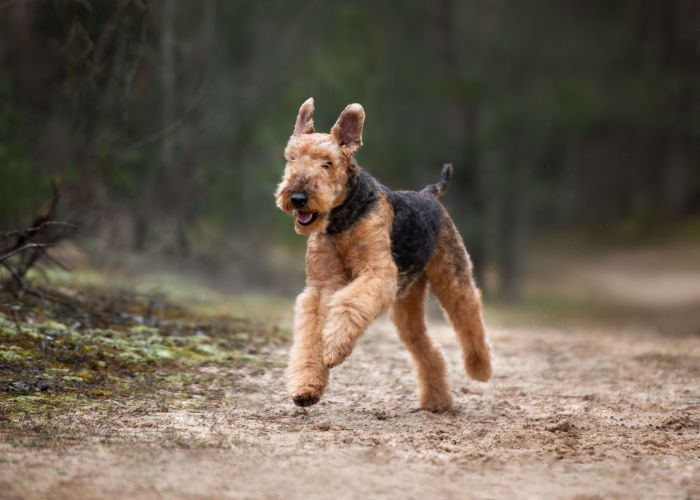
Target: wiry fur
371,249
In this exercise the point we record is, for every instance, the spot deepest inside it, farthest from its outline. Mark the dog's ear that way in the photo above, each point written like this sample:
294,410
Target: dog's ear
305,122
348,129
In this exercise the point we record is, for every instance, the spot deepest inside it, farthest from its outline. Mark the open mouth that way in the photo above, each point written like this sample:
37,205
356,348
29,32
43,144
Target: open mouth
305,218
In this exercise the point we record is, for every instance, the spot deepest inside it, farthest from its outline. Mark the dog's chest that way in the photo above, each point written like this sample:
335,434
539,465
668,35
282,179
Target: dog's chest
365,246
410,235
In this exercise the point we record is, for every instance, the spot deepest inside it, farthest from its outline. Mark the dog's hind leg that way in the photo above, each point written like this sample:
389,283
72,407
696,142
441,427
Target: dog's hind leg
449,273
408,314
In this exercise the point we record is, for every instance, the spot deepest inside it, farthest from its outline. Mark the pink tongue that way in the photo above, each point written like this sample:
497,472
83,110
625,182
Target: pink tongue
304,217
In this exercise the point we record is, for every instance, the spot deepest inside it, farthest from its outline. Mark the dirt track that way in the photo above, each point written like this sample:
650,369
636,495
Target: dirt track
568,414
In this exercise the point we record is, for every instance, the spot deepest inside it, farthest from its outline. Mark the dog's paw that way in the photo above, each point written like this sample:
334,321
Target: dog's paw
335,353
478,364
436,403
306,397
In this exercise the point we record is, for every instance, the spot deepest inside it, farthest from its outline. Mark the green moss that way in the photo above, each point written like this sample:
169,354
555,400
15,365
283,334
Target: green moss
111,350
55,326
110,347
144,329
28,404
179,378
10,356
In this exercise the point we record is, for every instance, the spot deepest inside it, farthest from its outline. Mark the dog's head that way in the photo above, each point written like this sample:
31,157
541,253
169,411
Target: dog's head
320,168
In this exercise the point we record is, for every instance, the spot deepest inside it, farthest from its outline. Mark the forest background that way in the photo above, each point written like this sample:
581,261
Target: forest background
162,124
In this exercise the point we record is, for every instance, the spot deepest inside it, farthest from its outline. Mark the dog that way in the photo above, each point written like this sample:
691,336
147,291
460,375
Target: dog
371,249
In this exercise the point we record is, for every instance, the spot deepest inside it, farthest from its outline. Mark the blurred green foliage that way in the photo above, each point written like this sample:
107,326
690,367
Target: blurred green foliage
165,121
23,187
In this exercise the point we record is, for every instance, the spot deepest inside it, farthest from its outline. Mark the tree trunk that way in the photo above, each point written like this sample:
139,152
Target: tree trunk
167,77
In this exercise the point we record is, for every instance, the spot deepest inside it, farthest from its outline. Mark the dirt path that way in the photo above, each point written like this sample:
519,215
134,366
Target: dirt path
569,414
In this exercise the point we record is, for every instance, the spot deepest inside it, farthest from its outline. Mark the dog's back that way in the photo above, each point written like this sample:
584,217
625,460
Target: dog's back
414,232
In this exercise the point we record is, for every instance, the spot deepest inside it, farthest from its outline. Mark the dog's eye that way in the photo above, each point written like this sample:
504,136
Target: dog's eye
327,164
292,157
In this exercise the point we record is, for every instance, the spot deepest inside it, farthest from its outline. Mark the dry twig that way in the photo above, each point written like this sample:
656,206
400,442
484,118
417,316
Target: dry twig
21,249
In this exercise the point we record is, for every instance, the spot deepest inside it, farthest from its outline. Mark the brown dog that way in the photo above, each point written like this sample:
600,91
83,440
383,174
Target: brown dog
369,249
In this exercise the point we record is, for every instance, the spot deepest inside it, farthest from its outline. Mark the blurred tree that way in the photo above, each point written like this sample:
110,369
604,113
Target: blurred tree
165,121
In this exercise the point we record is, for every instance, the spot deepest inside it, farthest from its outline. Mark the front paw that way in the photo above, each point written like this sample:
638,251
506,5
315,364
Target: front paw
335,352
306,397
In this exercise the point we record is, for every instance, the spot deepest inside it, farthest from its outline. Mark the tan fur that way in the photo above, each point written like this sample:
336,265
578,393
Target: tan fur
449,273
351,277
408,314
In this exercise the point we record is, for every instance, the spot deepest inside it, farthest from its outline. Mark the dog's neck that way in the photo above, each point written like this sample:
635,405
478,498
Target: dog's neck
361,197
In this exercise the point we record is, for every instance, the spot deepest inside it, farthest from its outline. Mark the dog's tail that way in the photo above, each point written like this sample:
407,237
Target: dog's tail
437,190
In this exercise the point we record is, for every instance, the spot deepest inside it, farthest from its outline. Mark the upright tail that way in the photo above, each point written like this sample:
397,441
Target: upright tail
437,190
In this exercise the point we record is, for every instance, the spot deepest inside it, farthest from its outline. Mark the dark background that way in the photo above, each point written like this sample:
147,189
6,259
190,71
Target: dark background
570,124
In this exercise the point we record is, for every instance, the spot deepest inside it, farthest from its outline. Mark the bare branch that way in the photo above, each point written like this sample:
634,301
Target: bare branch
12,272
23,249
56,261
29,231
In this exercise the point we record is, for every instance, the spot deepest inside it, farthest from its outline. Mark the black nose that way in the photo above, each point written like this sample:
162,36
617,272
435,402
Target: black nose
299,199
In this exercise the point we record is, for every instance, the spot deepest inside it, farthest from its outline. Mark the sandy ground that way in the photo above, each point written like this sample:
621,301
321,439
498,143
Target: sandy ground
569,414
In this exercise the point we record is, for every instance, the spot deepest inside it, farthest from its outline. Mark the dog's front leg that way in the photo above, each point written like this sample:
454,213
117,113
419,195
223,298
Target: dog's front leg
308,374
353,308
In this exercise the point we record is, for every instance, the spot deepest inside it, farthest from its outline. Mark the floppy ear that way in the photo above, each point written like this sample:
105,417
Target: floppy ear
347,131
305,122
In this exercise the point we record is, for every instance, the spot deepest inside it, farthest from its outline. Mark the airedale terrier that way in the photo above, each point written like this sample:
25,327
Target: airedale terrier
369,249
